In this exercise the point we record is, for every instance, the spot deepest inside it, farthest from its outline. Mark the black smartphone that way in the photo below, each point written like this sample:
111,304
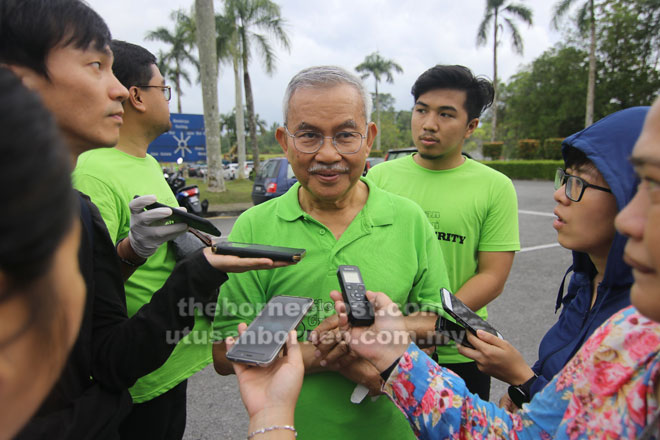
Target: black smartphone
464,315
266,335
358,308
453,331
192,220
250,250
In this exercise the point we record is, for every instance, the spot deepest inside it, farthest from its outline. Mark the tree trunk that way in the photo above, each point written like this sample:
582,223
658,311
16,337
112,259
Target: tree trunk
493,128
377,118
178,88
208,66
249,101
240,119
591,84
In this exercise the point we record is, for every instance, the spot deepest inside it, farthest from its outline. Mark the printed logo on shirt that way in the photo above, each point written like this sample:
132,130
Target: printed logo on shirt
434,219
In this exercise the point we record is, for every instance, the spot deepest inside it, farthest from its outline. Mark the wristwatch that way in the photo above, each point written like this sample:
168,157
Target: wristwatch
520,394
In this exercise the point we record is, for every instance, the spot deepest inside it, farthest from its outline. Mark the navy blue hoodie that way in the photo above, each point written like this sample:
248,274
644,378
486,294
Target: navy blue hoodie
608,143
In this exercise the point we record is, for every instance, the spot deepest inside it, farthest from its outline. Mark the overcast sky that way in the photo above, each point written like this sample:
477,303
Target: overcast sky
416,34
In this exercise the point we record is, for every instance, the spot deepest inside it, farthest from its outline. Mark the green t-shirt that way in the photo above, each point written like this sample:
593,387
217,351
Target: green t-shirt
394,247
111,178
471,207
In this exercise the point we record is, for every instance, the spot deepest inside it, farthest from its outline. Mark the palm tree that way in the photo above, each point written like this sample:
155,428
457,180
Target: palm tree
495,9
586,18
255,21
378,67
181,43
206,40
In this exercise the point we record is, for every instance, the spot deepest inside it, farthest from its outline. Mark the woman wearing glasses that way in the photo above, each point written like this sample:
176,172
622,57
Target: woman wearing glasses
597,182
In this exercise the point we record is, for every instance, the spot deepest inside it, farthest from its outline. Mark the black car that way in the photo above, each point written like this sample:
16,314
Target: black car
274,178
401,152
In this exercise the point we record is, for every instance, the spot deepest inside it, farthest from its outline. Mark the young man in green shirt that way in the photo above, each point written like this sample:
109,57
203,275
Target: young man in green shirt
112,177
472,208
339,218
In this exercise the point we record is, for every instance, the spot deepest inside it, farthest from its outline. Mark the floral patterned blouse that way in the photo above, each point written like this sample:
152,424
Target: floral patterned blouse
605,392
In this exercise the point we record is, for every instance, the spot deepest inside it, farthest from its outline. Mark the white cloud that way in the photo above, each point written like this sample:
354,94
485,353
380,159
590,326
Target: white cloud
417,34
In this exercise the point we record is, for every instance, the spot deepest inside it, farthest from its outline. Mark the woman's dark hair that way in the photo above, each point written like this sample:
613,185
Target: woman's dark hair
38,201
479,90
30,29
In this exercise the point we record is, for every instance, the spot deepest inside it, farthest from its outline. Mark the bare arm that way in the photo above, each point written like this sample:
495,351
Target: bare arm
486,285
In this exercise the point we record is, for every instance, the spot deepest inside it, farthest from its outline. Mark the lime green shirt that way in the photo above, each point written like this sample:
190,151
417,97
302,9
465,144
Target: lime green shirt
472,208
111,178
394,247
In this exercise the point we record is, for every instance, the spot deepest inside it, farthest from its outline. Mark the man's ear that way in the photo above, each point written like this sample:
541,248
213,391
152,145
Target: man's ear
472,125
135,99
281,136
372,131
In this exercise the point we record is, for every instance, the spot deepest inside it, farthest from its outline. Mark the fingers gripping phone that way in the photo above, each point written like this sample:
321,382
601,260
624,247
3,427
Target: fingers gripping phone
249,250
192,220
262,341
465,317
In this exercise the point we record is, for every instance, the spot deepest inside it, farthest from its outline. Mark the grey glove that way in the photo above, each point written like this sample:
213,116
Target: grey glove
148,230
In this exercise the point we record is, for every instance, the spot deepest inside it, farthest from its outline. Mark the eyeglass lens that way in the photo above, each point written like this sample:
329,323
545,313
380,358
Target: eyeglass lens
345,141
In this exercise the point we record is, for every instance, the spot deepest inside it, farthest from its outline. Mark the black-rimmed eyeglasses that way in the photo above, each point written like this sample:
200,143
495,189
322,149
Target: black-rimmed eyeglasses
167,90
309,141
575,186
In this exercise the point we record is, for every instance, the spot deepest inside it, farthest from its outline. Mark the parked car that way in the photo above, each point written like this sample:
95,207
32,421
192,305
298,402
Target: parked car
274,178
371,161
401,152
230,171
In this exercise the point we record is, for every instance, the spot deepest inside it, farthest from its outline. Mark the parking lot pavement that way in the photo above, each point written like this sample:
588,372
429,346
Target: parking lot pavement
522,313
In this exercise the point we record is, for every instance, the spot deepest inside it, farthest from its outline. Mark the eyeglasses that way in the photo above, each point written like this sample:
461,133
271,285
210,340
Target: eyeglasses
167,90
345,142
575,185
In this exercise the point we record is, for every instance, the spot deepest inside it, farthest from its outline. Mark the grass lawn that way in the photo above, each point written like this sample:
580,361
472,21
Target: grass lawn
238,191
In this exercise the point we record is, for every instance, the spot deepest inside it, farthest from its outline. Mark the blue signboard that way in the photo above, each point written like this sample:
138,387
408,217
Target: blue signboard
186,140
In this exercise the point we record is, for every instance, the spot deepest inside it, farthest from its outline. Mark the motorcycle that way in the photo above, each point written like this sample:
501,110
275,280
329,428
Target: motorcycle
186,196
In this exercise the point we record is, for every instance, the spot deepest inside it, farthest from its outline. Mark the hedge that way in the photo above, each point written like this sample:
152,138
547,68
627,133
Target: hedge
375,153
552,148
527,169
492,149
528,149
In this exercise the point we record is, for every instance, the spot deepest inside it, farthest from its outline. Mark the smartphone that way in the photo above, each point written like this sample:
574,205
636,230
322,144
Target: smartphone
192,220
266,335
464,315
249,250
453,331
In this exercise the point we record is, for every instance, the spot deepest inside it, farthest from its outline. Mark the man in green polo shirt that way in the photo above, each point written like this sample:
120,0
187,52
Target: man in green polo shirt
339,218
473,208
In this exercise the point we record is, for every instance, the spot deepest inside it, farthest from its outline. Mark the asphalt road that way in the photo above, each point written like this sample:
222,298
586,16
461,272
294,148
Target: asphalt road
522,313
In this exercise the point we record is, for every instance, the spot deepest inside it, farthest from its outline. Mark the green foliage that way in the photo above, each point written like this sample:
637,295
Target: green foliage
492,149
375,153
546,98
528,149
527,169
552,149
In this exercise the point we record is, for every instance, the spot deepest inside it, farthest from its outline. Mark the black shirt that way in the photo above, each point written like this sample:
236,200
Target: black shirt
112,351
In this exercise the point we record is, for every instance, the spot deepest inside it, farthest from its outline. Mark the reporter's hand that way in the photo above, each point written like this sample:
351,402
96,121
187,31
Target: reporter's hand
497,358
507,404
385,340
330,346
234,264
148,230
275,387
359,371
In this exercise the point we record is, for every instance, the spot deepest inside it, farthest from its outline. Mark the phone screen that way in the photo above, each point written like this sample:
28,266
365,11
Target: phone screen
266,335
464,315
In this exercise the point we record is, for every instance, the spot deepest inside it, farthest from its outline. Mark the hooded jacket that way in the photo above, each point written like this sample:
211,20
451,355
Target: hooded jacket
608,144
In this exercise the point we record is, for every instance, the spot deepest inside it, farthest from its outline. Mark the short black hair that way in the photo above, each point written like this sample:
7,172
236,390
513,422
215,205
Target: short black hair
576,159
479,90
30,29
39,214
132,64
